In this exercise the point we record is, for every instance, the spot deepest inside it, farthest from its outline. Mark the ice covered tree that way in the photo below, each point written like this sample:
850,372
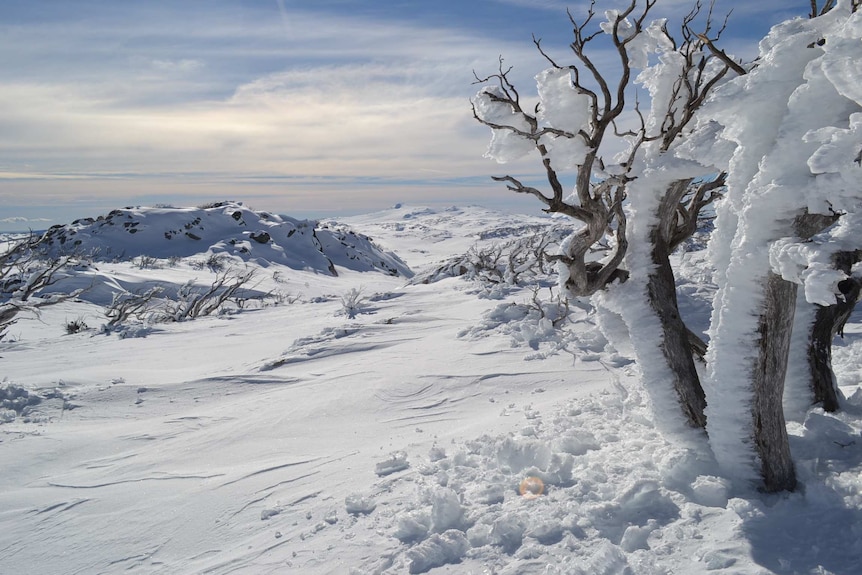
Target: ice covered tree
793,125
783,134
578,121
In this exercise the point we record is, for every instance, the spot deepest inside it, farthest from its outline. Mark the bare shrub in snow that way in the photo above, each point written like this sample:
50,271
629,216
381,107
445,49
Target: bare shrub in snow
213,262
279,297
25,276
513,262
190,301
125,306
556,310
75,326
535,323
193,302
353,303
147,263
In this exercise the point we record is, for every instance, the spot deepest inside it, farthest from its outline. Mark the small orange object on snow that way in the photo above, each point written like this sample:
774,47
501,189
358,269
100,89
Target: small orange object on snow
531,487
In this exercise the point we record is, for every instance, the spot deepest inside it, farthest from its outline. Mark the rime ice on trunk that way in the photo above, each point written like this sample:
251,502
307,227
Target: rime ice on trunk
675,344
774,329
648,304
787,182
672,227
578,111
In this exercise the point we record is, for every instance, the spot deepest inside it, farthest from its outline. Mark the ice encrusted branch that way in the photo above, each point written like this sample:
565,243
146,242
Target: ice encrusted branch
578,110
812,263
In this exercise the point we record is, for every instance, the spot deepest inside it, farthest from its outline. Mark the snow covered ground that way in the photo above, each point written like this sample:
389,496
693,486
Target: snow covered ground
391,437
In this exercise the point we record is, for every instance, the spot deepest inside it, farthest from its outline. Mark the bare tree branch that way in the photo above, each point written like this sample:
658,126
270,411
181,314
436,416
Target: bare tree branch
600,190
722,55
683,224
827,6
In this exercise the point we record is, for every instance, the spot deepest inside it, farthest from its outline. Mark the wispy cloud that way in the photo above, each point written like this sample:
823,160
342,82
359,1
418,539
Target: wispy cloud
23,220
183,65
137,99
397,104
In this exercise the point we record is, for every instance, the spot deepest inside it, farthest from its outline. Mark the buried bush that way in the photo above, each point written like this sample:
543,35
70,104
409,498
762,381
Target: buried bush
190,302
130,305
214,262
193,302
353,303
25,274
148,263
75,326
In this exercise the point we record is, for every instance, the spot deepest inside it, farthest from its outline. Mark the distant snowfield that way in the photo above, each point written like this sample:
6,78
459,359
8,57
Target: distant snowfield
294,438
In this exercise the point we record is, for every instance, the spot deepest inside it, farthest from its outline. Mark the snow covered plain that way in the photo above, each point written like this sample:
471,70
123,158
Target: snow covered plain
388,438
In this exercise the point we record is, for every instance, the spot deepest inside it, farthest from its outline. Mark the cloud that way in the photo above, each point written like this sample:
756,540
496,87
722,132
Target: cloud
23,220
182,65
340,120
154,101
353,98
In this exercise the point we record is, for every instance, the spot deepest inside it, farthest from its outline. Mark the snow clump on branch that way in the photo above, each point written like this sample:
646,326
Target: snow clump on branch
506,145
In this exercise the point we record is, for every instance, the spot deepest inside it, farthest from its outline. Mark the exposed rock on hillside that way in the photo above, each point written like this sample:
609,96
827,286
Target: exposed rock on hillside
222,228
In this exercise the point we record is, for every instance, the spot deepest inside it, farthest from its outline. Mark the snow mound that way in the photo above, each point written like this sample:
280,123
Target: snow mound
438,550
594,515
223,228
618,498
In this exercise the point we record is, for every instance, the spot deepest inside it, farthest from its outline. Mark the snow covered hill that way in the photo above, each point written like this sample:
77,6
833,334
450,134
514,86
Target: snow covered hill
365,424
227,228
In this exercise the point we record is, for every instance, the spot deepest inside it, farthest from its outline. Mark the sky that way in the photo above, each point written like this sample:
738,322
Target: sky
308,108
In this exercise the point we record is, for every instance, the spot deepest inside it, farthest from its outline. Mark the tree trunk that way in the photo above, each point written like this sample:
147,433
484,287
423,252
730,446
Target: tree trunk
770,429
661,289
828,322
676,347
775,327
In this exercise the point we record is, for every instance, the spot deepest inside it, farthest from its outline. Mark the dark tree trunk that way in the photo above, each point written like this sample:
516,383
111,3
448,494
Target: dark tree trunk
828,322
661,289
775,327
675,346
770,429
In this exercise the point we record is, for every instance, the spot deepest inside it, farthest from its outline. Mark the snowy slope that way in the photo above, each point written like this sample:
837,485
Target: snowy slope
423,236
394,438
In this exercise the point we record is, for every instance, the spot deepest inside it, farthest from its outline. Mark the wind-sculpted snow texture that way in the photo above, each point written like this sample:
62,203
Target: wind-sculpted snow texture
297,439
